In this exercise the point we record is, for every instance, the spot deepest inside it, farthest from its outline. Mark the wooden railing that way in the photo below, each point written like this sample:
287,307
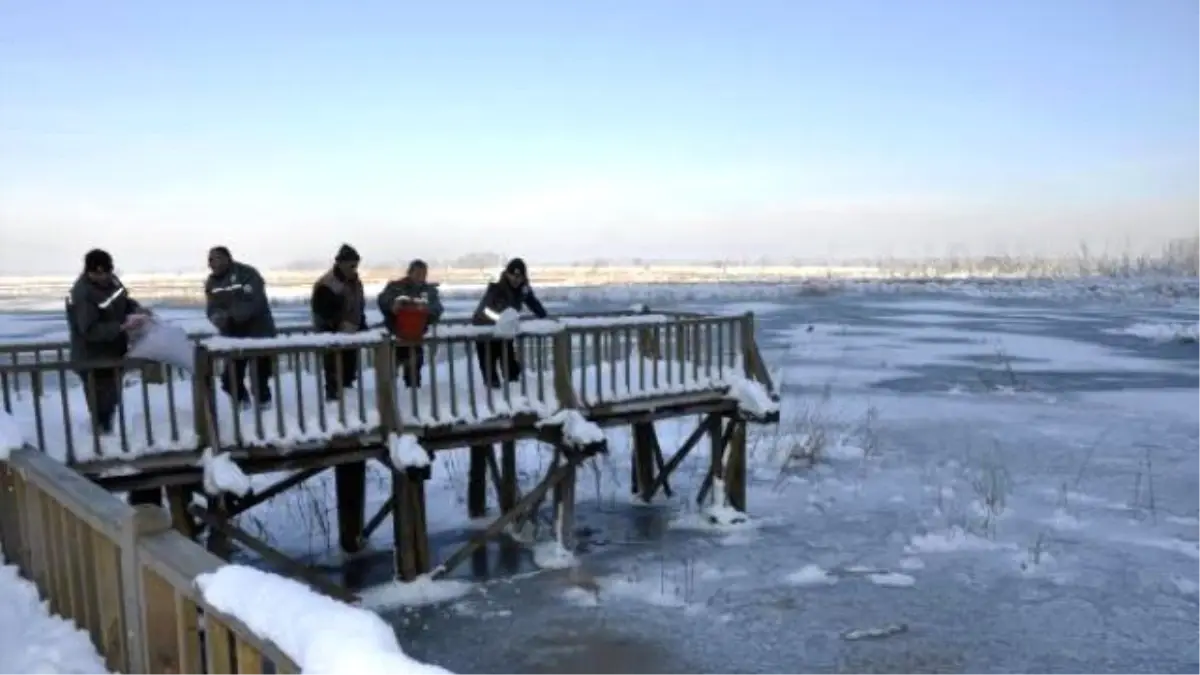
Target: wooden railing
595,363
121,574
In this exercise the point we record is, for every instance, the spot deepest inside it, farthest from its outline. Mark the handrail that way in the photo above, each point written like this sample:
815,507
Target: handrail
596,363
121,574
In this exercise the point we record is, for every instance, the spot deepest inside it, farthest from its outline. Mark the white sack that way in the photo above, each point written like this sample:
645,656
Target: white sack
164,343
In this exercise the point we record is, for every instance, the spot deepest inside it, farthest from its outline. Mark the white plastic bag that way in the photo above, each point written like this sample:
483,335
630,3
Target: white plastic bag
508,325
163,342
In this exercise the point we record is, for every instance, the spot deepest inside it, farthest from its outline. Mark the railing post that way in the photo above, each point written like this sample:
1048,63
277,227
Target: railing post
202,420
564,391
146,520
749,350
390,418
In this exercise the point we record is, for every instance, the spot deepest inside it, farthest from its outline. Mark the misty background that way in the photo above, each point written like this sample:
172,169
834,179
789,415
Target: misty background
663,130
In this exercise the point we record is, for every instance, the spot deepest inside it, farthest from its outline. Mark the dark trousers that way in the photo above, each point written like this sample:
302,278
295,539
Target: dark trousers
233,381
102,389
347,359
409,361
493,355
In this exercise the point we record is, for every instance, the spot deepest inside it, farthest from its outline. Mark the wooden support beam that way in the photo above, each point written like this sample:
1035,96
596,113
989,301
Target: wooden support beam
564,506
350,486
535,496
217,512
509,489
405,558
376,520
735,467
243,504
716,465
477,481
179,499
690,443
644,441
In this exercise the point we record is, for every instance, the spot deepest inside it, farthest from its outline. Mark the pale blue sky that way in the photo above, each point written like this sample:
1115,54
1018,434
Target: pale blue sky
651,128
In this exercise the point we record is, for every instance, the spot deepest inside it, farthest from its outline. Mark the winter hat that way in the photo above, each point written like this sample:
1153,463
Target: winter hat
515,266
347,254
97,260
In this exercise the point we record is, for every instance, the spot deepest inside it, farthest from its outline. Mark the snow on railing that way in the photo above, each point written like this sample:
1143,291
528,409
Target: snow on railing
316,387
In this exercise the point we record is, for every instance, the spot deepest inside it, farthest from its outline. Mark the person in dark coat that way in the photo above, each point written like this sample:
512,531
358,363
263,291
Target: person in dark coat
413,288
510,291
237,306
100,312
339,306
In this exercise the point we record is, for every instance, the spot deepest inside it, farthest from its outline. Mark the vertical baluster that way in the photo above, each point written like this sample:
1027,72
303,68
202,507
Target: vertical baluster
452,374
472,366
627,351
298,381
172,420
119,374
68,427
434,395
144,390
277,399
598,357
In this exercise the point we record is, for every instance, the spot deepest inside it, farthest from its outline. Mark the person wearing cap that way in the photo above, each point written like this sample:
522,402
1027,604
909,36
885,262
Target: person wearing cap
510,291
339,306
100,314
410,292
237,306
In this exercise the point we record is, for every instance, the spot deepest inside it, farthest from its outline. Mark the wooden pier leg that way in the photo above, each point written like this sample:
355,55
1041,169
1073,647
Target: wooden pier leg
644,442
179,499
508,476
477,481
219,543
735,467
716,456
350,485
419,531
403,519
564,507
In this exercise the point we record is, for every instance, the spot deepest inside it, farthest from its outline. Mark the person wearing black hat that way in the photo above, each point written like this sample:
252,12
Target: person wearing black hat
237,305
100,313
339,306
510,291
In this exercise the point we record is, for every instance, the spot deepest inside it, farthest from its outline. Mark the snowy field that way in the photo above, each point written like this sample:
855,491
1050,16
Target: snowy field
970,479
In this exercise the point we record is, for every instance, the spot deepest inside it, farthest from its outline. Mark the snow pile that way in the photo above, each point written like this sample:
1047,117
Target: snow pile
424,590
810,575
32,640
222,474
11,437
320,634
577,431
1164,332
364,338
752,398
406,452
509,323
552,555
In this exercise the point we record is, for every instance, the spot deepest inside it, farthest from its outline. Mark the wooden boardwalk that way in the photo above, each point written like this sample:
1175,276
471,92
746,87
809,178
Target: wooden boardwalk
627,369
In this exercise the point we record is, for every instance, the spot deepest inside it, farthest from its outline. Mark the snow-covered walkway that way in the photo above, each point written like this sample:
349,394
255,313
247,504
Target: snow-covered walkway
32,640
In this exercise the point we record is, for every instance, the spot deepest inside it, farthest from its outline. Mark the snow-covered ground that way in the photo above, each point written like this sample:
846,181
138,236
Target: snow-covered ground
32,640
970,481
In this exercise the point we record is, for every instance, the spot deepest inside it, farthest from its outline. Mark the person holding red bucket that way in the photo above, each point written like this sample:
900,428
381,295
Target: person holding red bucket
409,305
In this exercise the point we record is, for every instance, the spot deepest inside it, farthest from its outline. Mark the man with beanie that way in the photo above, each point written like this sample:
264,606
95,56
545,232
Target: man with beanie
410,291
510,291
237,306
339,306
99,315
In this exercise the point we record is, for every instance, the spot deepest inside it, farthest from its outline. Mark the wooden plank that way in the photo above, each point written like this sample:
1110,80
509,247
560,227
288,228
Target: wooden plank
248,659
160,617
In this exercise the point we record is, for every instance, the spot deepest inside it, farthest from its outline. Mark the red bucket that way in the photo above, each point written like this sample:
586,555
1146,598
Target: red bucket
410,321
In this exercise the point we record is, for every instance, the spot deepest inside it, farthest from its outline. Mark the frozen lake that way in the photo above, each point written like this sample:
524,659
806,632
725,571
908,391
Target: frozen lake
989,483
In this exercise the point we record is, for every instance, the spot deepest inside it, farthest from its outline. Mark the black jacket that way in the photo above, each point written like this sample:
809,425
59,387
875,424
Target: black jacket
405,287
337,300
237,303
94,316
501,295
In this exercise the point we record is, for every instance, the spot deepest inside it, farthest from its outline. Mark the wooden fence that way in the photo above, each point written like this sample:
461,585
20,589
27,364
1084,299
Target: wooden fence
121,574
595,363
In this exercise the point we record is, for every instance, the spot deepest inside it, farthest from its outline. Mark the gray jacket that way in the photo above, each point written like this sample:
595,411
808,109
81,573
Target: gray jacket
237,304
405,287
94,317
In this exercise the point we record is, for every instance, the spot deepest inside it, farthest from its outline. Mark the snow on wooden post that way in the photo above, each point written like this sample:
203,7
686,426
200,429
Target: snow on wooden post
390,418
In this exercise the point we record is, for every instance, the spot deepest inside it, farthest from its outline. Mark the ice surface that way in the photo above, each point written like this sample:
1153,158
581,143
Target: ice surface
1163,332
320,634
405,451
222,475
32,640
